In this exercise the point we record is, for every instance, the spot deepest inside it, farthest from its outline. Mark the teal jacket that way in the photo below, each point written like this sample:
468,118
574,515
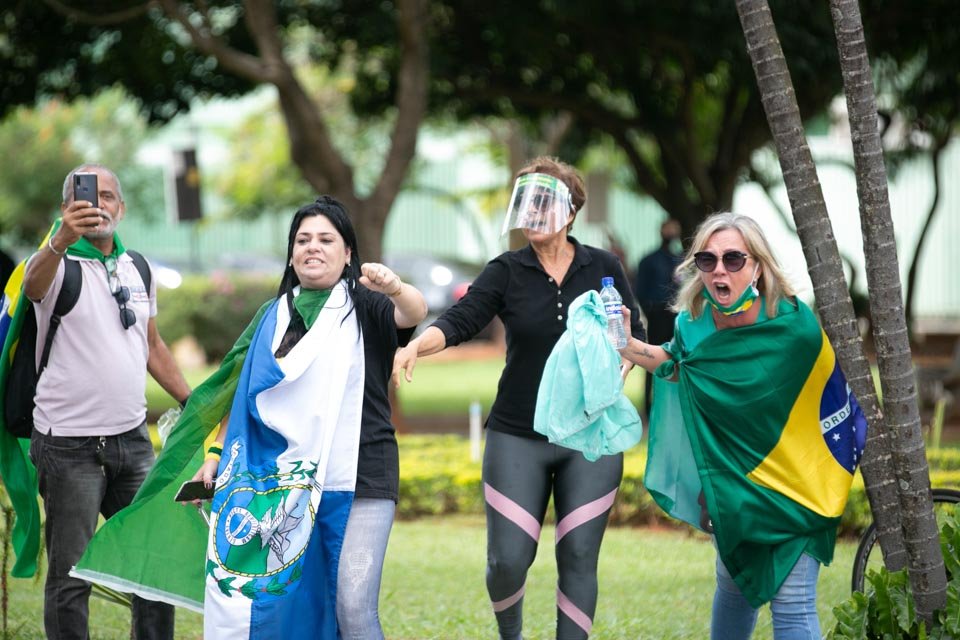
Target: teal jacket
580,403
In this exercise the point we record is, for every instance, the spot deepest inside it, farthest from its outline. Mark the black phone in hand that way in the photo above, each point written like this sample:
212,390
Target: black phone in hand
193,490
85,188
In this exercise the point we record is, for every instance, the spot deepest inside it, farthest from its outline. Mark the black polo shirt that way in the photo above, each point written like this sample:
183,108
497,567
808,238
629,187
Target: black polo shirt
533,308
378,461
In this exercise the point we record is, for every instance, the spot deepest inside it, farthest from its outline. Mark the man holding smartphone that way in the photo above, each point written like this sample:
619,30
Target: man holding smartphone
90,442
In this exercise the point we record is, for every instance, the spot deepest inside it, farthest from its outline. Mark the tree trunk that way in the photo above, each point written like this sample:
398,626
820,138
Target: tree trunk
912,274
311,146
823,263
897,379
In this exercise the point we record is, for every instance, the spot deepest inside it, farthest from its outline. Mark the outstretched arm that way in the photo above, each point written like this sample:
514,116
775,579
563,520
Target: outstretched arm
78,218
430,341
639,352
163,367
410,308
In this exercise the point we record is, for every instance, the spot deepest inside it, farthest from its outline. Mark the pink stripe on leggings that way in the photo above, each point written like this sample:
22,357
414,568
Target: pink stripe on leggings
506,603
512,511
585,513
571,610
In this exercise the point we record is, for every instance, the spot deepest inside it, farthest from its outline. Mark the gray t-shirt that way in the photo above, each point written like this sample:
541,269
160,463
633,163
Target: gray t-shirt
95,379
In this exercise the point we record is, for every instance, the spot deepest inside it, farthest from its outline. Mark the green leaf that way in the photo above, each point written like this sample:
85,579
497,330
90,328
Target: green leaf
852,621
892,608
226,587
950,616
902,599
275,588
250,590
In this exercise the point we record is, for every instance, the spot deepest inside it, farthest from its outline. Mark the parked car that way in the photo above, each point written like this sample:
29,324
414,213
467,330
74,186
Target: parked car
442,281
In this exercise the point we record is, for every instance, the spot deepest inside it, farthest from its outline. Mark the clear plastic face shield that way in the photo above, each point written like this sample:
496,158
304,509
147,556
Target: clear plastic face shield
540,202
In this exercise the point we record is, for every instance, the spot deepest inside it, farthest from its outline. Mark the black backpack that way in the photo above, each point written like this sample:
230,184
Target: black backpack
18,397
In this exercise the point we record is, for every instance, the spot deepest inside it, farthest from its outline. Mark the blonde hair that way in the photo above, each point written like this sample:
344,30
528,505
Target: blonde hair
772,283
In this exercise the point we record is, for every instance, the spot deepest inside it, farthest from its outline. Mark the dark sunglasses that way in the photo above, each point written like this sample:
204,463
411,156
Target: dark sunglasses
733,261
120,293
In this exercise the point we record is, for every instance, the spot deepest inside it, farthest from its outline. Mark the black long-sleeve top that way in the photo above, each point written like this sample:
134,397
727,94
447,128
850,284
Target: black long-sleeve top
533,308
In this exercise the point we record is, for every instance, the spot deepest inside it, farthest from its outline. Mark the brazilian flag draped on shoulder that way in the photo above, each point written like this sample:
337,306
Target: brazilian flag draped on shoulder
761,420
156,548
17,472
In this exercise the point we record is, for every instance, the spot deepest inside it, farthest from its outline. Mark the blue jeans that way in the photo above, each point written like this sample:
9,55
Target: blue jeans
81,478
361,566
794,608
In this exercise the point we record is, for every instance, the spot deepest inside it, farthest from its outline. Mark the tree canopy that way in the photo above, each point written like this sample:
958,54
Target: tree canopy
166,53
45,143
669,83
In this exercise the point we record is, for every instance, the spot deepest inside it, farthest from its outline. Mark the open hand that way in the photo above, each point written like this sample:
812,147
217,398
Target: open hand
405,360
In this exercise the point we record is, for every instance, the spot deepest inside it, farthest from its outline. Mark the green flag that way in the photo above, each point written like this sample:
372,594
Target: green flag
18,473
16,470
156,547
762,421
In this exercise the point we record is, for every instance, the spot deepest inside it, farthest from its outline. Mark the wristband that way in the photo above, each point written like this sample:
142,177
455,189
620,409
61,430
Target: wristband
213,452
55,252
183,403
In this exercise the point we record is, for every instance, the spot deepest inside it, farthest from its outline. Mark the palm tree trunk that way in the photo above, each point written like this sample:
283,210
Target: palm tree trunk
823,263
897,381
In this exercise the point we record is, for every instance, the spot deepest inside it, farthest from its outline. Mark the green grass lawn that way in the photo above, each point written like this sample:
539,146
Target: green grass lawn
654,584
439,387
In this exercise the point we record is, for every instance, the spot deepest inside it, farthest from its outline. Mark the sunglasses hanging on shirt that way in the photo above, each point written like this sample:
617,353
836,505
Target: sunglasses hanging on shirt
119,292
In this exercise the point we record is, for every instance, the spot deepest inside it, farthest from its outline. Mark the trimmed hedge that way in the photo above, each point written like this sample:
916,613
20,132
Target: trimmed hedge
213,309
437,477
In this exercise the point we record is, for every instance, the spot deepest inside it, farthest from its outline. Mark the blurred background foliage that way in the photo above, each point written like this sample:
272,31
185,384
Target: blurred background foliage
658,96
45,142
212,309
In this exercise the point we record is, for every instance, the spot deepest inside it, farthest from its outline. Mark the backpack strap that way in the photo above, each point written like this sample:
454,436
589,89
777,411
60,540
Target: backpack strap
143,267
69,294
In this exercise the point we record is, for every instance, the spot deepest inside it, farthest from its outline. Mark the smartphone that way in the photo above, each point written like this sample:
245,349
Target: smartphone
193,490
85,188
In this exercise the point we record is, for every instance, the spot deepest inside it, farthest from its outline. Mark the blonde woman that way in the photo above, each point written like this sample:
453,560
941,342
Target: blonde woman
755,435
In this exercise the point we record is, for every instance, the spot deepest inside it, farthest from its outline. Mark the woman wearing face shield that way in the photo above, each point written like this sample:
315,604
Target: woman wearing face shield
755,435
530,290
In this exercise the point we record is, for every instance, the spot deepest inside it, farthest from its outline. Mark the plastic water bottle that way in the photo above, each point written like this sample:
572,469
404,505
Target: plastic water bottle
166,422
612,303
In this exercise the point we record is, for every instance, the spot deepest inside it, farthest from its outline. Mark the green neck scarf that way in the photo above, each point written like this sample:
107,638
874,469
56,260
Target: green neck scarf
309,302
83,248
742,303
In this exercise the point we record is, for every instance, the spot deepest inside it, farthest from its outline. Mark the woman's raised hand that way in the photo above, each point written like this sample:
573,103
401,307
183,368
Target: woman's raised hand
379,277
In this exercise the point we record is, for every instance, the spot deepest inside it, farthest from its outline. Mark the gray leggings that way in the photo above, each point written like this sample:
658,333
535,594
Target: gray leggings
361,567
518,477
